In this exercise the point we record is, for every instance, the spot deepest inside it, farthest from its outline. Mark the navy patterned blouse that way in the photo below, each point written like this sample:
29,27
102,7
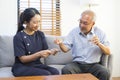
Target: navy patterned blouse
25,44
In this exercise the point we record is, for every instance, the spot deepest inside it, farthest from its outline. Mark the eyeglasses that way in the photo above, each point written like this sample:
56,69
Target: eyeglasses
84,22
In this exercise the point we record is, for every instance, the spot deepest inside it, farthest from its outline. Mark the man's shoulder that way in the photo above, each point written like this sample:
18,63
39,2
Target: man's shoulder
97,29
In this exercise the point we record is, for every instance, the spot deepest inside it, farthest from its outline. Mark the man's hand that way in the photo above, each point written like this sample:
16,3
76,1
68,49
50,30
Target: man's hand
95,40
61,45
57,41
104,48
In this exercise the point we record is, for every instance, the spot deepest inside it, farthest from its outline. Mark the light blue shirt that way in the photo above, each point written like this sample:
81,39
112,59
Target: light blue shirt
82,49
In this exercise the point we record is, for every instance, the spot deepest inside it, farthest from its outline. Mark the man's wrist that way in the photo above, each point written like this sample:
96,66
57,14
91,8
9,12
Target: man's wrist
99,44
60,43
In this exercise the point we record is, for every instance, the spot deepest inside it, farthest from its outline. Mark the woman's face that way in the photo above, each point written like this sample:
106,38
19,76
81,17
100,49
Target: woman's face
34,23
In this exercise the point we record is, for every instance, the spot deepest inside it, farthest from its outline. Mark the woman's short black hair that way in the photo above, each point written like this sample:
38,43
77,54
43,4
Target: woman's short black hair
26,15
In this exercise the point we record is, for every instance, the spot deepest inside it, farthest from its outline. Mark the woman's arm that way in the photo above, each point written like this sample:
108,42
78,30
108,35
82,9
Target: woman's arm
29,58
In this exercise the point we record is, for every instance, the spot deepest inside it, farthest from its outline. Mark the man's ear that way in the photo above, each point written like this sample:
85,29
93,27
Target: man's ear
93,23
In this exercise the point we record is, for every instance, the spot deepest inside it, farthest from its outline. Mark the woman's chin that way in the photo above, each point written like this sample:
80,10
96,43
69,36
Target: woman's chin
35,29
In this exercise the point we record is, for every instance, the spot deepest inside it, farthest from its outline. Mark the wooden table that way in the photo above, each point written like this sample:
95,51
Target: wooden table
56,77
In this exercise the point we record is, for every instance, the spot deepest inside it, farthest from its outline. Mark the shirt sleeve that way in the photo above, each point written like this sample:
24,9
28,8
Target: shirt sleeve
102,36
105,40
19,47
68,42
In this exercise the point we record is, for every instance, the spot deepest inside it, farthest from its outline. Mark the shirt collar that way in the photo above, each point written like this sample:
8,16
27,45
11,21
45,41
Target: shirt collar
91,32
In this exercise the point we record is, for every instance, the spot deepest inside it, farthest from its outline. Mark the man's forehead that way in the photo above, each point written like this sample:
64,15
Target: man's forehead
85,17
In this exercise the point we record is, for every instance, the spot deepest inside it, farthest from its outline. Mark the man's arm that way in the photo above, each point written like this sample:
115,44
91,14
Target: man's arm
61,45
105,49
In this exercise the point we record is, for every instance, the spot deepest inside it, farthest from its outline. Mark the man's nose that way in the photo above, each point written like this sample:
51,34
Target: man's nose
82,25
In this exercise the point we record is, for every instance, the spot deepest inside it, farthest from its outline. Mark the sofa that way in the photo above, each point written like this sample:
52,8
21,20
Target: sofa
58,61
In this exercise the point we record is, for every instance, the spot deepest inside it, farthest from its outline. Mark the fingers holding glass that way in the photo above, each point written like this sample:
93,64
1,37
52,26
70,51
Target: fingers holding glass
54,51
95,40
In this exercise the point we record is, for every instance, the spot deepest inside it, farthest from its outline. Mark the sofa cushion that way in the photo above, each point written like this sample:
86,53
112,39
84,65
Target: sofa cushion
6,72
60,58
6,51
58,67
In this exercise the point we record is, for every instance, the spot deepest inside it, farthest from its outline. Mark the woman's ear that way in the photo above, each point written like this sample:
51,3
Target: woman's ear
25,24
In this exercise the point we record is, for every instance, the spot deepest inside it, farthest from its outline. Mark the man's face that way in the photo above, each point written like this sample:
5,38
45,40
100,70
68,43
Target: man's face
86,23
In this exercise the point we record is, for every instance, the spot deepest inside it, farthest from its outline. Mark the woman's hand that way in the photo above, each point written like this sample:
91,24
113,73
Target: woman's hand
45,53
54,51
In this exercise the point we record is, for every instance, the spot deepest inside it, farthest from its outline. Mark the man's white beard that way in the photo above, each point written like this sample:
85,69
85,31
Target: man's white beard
83,31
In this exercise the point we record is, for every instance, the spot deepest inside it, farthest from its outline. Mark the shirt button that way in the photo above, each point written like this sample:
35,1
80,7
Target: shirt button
28,44
29,52
25,37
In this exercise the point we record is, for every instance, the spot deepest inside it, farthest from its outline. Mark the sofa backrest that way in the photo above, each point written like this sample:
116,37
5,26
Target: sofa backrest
6,51
60,58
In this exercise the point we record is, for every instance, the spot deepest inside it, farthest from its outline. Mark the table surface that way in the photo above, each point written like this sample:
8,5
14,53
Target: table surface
86,76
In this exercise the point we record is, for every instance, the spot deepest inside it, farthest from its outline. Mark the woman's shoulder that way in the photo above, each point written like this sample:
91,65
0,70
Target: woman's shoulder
18,35
40,33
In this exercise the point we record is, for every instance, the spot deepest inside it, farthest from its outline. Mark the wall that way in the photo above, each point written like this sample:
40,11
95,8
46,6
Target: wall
117,37
8,17
108,20
70,14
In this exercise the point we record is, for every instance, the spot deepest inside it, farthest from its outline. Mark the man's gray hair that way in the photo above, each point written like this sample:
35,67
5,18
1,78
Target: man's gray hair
91,13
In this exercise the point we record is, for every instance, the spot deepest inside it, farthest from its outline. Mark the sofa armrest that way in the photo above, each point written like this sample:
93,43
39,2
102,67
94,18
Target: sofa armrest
110,62
104,60
107,61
